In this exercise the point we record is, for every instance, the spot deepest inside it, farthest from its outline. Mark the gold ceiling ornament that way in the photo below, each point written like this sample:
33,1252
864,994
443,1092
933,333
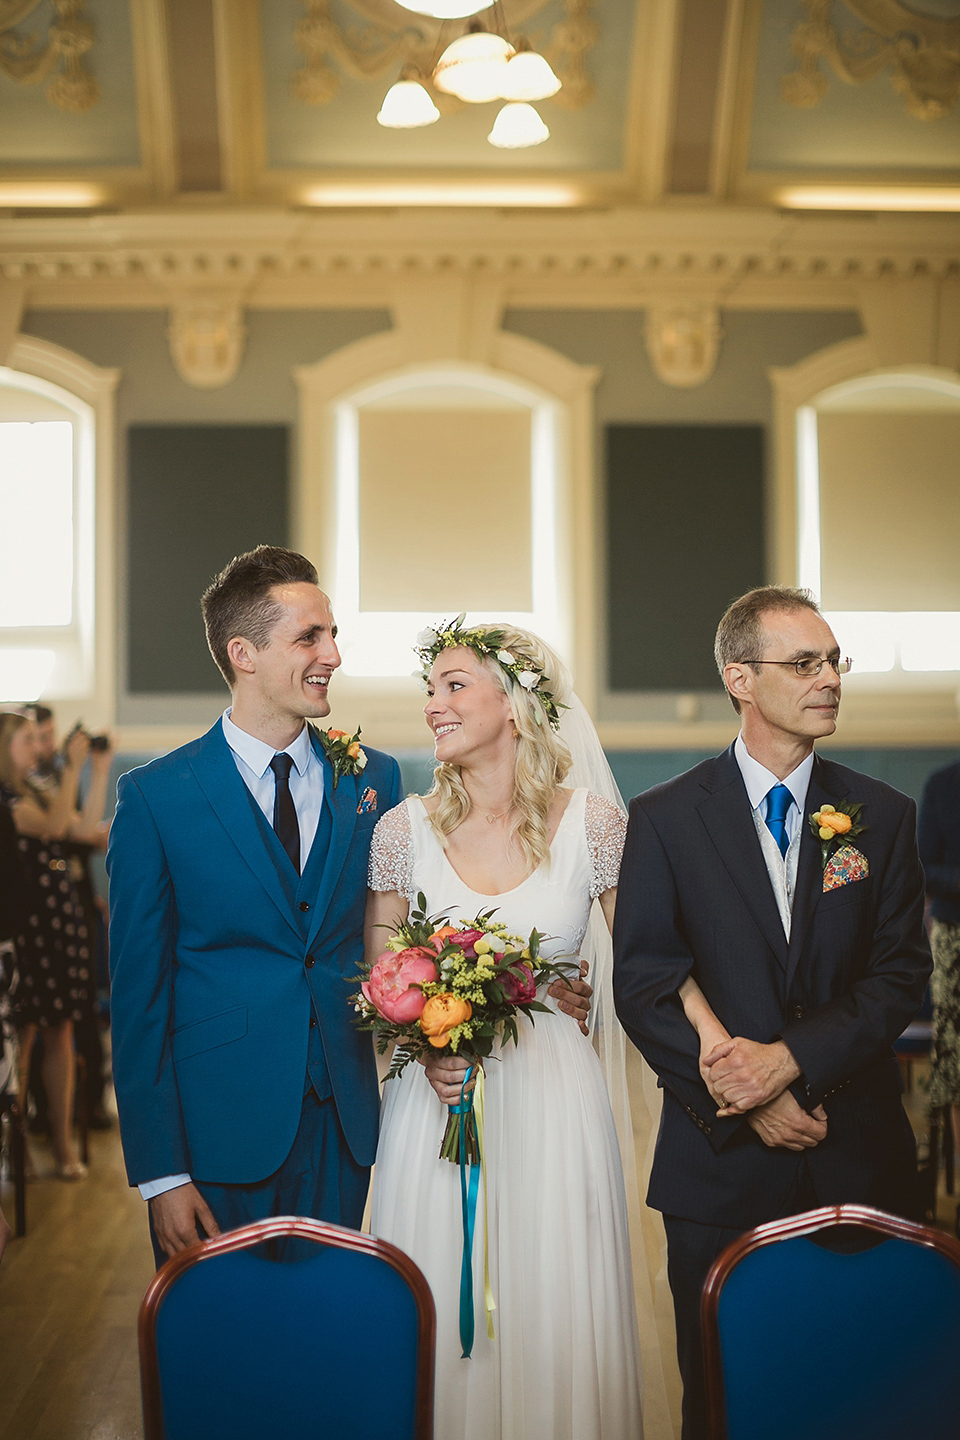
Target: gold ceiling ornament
922,50
392,36
29,60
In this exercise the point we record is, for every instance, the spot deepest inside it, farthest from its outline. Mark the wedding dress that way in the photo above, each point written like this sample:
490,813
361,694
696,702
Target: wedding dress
563,1364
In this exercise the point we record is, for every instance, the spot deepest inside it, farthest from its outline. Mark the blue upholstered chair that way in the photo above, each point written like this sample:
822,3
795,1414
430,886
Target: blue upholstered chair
803,1342
334,1339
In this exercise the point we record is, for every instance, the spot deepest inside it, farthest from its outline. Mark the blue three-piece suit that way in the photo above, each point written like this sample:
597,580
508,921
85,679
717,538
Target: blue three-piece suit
231,975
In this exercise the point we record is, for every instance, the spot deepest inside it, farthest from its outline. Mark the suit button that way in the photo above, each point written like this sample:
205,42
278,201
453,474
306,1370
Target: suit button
313,1022
309,962
798,1012
304,907
707,1130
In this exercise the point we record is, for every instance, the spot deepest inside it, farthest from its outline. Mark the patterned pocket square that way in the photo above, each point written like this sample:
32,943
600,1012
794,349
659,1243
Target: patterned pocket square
368,801
844,867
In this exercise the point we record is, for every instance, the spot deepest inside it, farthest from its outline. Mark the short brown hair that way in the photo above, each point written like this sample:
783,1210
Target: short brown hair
740,632
238,601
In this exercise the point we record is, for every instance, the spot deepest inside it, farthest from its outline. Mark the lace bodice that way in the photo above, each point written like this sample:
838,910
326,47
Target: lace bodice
407,857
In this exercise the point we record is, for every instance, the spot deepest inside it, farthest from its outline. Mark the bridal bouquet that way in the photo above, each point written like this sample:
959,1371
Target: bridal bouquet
455,988
445,988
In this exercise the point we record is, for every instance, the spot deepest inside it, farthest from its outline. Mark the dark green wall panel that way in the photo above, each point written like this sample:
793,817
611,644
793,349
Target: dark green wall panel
685,535
197,496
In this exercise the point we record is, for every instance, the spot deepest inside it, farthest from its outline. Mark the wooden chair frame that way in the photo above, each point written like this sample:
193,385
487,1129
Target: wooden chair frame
283,1227
808,1223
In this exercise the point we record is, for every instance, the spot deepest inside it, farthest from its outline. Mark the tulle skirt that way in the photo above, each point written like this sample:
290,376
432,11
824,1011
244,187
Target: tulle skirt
563,1364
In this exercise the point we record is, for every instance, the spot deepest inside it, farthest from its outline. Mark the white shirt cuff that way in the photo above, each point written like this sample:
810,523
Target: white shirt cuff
150,1188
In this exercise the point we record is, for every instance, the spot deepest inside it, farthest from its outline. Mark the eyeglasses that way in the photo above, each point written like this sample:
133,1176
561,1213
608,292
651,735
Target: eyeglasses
810,666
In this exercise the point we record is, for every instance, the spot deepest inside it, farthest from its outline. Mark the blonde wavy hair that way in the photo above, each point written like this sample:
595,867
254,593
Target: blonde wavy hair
542,759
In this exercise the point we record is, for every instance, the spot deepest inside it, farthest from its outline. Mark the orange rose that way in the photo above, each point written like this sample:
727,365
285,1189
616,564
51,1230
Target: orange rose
440,937
336,734
836,821
440,1015
354,750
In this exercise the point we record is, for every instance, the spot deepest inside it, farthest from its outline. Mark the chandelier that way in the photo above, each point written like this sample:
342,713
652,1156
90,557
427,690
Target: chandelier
479,67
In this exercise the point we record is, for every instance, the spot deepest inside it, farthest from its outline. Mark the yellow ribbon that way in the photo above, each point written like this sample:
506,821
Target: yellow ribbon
489,1303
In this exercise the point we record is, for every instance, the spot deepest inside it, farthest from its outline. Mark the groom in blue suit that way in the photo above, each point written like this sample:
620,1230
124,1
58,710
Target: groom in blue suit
238,868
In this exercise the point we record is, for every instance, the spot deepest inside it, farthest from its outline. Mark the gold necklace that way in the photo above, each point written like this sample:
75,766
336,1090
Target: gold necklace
491,819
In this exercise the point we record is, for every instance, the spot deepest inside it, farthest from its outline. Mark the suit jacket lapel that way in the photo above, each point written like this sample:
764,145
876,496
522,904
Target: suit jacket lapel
343,809
729,821
825,786
218,777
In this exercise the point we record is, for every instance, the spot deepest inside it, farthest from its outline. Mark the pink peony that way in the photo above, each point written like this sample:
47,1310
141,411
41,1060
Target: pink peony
519,986
393,987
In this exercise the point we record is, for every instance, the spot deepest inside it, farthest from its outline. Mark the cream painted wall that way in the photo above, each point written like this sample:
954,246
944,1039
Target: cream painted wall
277,341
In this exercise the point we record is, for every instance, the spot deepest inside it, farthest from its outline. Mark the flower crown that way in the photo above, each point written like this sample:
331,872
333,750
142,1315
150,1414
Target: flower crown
489,645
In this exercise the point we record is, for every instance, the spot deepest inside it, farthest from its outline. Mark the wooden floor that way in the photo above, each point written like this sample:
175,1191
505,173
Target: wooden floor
70,1291
69,1295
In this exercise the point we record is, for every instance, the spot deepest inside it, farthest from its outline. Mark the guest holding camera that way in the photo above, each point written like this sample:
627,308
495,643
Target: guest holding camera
53,950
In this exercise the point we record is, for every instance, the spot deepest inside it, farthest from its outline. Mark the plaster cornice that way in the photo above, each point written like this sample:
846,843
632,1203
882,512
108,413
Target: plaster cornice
735,257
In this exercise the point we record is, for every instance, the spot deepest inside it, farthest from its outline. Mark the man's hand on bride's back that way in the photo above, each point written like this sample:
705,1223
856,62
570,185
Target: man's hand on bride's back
573,998
445,1073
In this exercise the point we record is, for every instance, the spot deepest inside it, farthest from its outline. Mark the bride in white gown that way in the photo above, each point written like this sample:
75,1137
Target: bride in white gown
498,829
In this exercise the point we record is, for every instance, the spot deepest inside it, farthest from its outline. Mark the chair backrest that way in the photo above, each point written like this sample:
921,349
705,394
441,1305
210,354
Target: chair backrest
804,1342
335,1338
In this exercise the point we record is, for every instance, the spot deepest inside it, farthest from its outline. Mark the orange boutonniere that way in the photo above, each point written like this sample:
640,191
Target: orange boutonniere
344,752
833,825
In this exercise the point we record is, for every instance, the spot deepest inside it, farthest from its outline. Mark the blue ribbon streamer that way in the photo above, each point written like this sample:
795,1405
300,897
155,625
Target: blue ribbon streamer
469,1191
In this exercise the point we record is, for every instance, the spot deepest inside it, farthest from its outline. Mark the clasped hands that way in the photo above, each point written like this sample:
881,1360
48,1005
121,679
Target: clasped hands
748,1078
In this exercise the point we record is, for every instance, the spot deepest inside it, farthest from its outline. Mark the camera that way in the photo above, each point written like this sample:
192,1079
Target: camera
97,742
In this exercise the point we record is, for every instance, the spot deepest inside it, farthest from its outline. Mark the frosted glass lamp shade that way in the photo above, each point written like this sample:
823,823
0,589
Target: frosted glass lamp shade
516,127
474,67
529,77
406,106
446,9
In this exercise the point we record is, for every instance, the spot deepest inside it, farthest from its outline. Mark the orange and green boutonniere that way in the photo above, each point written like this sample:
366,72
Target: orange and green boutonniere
833,825
344,752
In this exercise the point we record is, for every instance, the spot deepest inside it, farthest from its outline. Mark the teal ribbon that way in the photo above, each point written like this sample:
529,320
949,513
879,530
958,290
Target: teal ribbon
469,1190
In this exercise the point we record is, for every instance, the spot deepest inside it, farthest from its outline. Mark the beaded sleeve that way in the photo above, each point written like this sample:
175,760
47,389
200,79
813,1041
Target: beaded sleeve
391,854
606,833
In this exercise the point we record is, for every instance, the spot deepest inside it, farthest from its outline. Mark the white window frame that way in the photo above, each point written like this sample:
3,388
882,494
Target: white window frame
84,664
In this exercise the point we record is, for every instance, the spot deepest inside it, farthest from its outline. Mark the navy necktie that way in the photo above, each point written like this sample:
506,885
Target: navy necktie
284,810
779,801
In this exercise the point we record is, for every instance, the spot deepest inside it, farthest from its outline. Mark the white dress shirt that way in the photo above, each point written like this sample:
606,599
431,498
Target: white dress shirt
759,781
252,757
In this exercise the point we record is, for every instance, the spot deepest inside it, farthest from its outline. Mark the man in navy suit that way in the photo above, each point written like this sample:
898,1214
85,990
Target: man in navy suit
813,962
238,870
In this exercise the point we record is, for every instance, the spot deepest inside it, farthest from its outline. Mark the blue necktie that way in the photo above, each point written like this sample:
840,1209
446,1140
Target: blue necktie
779,801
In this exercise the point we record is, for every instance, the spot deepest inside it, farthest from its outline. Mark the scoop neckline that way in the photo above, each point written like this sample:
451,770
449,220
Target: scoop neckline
501,894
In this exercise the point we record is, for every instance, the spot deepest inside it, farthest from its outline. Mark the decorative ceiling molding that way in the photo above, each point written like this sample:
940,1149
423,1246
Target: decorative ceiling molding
206,336
717,251
28,61
922,51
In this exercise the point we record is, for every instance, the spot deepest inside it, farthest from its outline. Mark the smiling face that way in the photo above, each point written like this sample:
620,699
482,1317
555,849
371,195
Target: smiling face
467,711
777,704
286,681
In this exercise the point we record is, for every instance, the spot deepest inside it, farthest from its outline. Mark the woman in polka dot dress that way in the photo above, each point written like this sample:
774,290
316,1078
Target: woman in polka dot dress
53,951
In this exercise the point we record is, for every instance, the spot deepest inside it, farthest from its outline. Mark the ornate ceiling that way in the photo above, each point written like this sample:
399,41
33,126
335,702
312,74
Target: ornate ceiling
225,104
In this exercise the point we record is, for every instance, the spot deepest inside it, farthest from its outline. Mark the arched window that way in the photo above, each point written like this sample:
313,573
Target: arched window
878,471
54,441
